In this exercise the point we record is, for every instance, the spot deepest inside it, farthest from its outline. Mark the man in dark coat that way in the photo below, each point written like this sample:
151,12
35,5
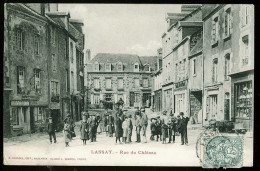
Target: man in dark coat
84,130
105,122
110,125
51,130
144,123
118,127
130,128
138,126
158,126
92,127
183,128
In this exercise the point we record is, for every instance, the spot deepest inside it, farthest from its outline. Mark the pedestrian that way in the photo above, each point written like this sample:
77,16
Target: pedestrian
125,129
92,127
164,131
67,133
51,130
172,127
104,119
99,125
105,122
144,123
138,126
118,127
177,126
110,125
183,128
153,128
158,125
70,121
84,129
130,128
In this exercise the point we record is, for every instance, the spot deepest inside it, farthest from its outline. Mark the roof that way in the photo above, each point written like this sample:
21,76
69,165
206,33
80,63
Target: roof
190,23
76,21
58,13
128,61
197,48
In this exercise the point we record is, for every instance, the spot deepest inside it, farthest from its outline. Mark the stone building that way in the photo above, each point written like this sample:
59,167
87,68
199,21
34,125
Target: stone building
195,85
115,76
242,68
27,56
228,50
157,84
37,38
176,49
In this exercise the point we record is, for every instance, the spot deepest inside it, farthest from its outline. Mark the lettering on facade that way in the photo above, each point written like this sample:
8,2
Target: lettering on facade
19,103
181,84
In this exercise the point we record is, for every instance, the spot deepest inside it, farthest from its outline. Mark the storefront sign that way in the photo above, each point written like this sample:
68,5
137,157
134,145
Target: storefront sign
181,84
19,103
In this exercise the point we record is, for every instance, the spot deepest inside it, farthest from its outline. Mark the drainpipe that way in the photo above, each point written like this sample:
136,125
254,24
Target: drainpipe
203,100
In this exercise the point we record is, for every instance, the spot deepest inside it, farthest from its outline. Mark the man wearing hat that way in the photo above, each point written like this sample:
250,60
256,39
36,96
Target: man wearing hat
144,123
92,127
110,125
130,127
138,126
183,128
105,122
51,130
158,126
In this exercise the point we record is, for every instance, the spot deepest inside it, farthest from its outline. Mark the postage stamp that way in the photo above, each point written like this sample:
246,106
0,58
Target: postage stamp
221,150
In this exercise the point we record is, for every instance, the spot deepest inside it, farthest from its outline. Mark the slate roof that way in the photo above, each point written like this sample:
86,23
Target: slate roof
128,61
197,48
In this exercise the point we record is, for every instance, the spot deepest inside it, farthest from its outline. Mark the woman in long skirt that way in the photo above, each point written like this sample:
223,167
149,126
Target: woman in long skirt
84,130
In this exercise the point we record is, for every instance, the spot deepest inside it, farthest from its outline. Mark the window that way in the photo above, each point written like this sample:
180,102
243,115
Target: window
215,71
227,66
245,15
96,66
71,52
136,67
145,82
243,94
137,82
120,66
108,83
108,97
24,114
53,35
245,51
38,114
67,80
81,84
54,62
215,28
108,67
194,66
36,44
54,88
65,49
37,79
15,116
147,68
120,83
20,79
176,71
72,80
227,22
96,98
19,38
96,83
80,59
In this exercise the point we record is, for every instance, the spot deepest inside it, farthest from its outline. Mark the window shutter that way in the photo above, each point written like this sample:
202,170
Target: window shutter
242,15
223,24
207,105
212,25
231,21
218,29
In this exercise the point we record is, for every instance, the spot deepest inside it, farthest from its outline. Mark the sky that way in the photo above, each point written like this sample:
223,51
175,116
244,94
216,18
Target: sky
122,28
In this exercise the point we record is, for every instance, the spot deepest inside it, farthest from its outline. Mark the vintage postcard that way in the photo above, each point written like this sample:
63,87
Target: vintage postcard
129,84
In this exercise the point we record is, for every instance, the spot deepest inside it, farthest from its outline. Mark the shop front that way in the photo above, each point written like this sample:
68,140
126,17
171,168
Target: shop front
242,100
181,98
158,100
167,96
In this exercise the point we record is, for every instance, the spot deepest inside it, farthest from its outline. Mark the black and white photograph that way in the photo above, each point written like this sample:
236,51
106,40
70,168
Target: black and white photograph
128,84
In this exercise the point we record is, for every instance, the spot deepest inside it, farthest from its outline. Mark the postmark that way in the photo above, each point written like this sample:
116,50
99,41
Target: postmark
220,150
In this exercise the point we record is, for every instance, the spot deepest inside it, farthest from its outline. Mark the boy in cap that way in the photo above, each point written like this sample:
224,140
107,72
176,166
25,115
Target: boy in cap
51,130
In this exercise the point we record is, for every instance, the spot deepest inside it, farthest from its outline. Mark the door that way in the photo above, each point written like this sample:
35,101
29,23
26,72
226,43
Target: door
132,99
31,118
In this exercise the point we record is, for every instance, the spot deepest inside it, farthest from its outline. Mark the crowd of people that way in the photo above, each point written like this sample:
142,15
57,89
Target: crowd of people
122,126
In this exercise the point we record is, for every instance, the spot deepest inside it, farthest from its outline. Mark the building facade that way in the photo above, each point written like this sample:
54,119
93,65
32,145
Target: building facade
37,80
176,49
125,76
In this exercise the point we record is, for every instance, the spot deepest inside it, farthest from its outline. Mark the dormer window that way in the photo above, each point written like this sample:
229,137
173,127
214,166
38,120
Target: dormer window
108,67
147,68
136,67
119,66
96,65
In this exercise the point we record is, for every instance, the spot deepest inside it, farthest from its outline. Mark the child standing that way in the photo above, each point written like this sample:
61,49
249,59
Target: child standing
67,133
153,129
84,129
51,130
164,131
